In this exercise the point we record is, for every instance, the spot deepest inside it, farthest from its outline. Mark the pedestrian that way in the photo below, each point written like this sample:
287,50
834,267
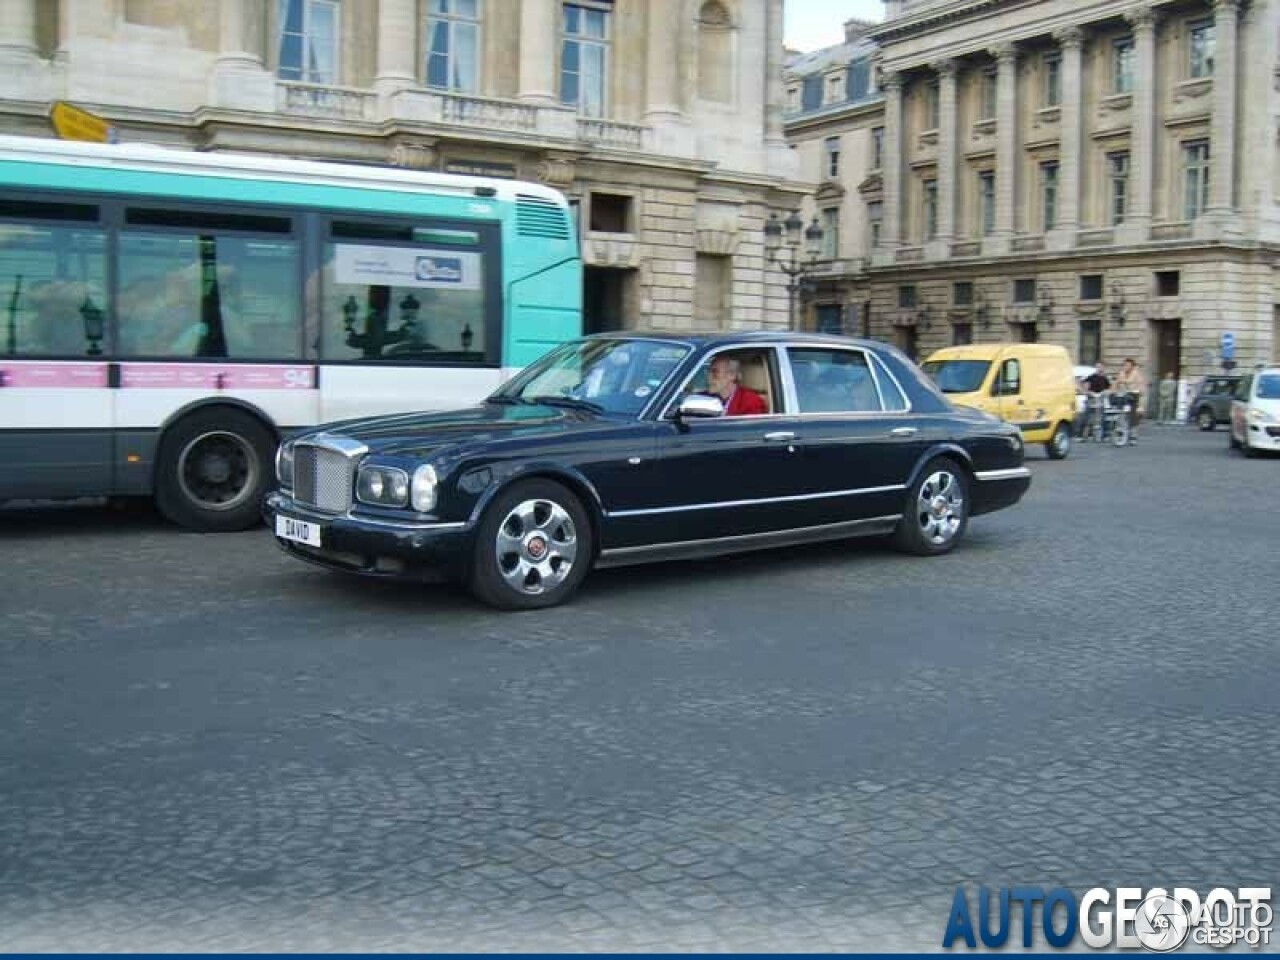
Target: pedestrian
1168,399
1131,383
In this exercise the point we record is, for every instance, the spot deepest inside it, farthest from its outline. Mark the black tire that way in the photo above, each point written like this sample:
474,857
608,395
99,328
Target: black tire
1205,419
926,531
529,577
1059,444
1120,435
212,470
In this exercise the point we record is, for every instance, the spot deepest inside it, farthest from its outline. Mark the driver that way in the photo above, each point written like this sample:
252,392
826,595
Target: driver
725,381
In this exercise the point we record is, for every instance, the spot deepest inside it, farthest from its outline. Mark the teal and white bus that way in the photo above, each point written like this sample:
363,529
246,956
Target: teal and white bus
165,315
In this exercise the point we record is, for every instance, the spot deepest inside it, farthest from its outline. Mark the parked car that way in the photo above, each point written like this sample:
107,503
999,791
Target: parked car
1255,412
1031,385
1212,403
608,451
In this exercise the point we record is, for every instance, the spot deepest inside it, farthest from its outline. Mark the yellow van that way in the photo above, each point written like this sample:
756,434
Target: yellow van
1031,385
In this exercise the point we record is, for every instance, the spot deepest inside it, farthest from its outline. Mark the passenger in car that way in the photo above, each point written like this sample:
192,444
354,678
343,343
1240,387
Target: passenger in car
725,381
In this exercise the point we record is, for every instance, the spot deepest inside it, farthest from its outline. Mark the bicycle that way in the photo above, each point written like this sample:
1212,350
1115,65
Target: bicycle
1121,415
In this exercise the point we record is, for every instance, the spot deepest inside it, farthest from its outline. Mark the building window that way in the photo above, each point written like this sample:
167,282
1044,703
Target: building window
907,296
610,213
811,93
1090,341
1200,53
961,334
1122,60
1168,283
858,82
1118,176
1052,80
1024,290
1091,286
875,222
1195,178
932,106
584,59
990,89
308,40
962,293
830,233
930,209
987,201
832,148
1049,194
453,45
877,148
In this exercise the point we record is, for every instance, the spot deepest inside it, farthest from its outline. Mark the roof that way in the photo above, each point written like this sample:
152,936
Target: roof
170,159
697,338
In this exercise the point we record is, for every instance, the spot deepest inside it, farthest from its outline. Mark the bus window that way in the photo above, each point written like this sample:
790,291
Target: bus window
390,294
199,290
52,282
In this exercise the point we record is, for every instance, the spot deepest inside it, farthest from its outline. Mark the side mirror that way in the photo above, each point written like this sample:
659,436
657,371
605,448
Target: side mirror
699,406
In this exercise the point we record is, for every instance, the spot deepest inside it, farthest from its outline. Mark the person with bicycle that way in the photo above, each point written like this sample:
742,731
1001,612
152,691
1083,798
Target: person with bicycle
1132,385
1096,386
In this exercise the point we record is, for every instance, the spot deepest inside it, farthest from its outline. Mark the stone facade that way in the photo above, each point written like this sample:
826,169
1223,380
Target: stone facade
1096,173
673,173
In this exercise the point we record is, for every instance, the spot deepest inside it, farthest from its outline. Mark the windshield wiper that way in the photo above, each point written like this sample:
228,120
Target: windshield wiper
552,400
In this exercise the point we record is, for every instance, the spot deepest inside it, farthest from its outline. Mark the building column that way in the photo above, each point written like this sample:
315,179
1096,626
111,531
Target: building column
947,153
240,79
397,46
669,130
1070,40
1137,225
1222,135
18,30
774,94
539,39
891,228
1006,141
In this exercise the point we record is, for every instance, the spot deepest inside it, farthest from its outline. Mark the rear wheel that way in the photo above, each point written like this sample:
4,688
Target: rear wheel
533,547
213,469
1205,419
1120,433
1059,444
937,510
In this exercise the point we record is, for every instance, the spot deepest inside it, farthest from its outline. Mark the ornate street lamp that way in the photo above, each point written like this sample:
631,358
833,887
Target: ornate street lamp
94,325
1117,304
783,240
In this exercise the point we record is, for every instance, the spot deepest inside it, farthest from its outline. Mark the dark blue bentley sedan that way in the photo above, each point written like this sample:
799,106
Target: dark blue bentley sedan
626,448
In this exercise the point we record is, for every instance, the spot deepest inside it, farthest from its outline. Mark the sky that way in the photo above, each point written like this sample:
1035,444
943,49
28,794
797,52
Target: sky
812,24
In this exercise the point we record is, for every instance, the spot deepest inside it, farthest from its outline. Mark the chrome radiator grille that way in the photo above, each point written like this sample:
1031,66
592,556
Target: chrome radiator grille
322,478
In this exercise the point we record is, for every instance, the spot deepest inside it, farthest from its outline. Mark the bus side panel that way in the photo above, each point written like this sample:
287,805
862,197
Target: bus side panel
355,390
543,311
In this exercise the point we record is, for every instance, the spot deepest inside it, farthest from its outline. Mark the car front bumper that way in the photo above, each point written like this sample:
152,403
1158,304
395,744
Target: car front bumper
385,548
1263,436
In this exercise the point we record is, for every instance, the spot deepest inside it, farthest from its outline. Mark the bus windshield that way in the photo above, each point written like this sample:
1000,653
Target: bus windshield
615,377
958,376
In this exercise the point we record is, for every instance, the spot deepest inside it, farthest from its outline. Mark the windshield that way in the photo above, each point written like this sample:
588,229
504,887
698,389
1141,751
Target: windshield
958,376
1269,386
607,376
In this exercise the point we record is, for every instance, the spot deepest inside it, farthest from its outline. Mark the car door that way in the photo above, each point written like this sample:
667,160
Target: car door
723,476
1240,409
859,438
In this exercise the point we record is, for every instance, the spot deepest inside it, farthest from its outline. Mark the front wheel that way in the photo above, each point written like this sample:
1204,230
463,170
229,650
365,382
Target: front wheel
1120,435
1059,444
213,469
937,510
533,547
1205,419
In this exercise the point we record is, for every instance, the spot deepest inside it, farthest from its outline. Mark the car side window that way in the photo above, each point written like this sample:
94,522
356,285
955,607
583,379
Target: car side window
756,376
1009,382
833,381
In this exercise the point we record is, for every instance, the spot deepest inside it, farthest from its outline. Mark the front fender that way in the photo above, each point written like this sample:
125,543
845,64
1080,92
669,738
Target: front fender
571,477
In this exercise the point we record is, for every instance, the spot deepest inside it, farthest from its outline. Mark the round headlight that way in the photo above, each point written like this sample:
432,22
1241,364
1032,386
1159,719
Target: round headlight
424,489
284,464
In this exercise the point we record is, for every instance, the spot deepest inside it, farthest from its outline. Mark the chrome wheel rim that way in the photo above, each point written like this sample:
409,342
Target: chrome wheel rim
218,470
940,507
1206,419
536,546
1061,441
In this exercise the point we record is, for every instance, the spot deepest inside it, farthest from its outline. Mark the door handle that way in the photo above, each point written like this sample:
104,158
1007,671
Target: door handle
903,432
780,436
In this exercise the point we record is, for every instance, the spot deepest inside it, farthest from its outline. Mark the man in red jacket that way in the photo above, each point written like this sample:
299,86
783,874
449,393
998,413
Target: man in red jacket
725,381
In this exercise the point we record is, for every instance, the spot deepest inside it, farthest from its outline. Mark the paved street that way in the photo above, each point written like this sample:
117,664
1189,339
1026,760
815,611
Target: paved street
209,745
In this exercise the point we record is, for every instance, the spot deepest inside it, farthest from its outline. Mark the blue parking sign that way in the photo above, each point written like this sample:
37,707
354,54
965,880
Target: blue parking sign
1228,346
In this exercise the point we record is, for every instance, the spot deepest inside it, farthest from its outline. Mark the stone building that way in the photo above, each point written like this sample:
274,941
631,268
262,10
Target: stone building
1101,174
661,120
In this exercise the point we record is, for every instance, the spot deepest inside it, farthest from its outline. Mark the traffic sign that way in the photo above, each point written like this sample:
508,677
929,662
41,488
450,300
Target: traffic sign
1228,345
72,123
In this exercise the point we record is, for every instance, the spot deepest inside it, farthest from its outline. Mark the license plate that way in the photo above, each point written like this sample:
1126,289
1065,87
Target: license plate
299,531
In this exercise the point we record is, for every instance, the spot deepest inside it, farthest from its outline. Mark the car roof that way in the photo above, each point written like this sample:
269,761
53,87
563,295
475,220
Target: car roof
714,338
985,351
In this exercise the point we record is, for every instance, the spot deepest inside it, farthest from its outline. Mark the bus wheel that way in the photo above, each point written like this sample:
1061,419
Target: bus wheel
213,469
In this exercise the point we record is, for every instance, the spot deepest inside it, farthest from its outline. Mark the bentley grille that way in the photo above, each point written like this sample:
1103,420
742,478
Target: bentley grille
322,478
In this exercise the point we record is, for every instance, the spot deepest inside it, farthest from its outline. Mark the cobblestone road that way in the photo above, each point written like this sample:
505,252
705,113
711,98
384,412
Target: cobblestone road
210,746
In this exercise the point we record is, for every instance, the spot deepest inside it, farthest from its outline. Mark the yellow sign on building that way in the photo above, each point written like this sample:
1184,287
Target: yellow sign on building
72,123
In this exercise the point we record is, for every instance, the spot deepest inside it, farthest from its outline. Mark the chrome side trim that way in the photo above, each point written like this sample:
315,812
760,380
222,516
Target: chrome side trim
720,505
689,549
1013,473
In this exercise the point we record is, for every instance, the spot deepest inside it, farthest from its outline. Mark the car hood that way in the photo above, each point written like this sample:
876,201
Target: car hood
420,434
